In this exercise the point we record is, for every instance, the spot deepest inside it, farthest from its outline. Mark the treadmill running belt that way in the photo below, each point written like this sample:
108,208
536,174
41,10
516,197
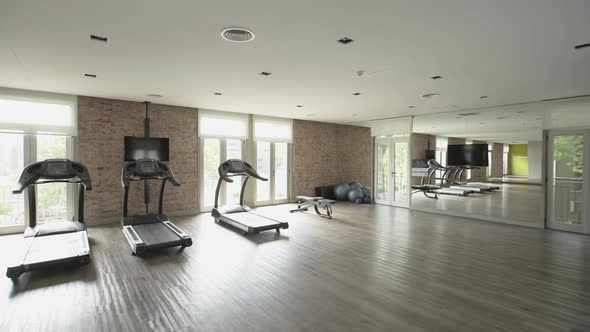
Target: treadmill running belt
55,247
252,220
156,233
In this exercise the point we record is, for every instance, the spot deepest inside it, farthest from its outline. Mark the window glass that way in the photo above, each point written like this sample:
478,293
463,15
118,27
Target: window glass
12,207
52,198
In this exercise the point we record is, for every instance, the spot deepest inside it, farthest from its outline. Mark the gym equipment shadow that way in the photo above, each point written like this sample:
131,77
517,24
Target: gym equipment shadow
258,238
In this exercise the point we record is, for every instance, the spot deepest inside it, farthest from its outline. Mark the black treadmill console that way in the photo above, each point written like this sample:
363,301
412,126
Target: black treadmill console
53,170
147,169
233,167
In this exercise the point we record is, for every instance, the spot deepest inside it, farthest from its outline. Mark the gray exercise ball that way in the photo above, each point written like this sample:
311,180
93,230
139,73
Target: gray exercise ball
366,192
340,191
355,184
354,194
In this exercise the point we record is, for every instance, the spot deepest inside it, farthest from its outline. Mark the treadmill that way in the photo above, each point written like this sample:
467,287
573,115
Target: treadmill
56,242
150,231
429,183
241,216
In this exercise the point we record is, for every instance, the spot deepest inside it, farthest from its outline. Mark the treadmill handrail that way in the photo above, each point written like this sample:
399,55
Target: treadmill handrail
68,172
227,169
131,172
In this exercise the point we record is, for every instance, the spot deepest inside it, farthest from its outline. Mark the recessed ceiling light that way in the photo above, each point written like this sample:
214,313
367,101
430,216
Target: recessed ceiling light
411,106
430,95
501,117
299,106
154,95
218,93
483,97
345,40
238,35
577,47
353,114
437,77
356,94
311,114
265,73
99,38
481,123
90,75
468,114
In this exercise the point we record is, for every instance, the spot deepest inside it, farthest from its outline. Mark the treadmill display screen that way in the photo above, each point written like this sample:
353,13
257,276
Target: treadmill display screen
237,166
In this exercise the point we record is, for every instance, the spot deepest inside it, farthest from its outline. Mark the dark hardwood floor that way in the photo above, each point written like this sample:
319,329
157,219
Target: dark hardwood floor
370,268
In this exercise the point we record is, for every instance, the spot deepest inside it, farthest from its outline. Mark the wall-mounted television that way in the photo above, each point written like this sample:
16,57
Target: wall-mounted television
467,154
146,147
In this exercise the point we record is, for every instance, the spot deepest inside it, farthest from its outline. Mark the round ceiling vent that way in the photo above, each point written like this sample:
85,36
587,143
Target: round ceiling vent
239,35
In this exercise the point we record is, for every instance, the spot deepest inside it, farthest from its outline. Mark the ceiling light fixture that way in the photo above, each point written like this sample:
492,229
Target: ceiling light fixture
99,38
353,114
483,97
468,114
218,93
237,35
90,75
578,47
437,77
311,114
265,73
155,95
411,106
430,95
345,40
299,106
356,94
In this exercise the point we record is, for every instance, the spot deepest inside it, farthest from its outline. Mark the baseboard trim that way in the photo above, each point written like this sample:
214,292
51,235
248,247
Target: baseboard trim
484,218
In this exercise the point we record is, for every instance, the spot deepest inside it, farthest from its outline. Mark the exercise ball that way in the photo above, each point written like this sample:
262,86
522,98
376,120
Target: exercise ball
355,193
358,201
366,192
340,191
367,199
355,184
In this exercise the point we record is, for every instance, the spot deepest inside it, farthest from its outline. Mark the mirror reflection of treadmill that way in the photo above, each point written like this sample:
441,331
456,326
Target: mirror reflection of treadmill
241,216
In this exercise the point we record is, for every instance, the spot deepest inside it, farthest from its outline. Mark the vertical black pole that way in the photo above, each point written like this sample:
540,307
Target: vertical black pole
146,133
32,206
81,189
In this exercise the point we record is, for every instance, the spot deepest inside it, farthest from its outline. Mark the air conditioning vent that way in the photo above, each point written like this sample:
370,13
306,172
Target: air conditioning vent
238,35
468,114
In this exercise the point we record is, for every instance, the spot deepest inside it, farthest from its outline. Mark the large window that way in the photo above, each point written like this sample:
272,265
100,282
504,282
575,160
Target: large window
273,137
223,136
34,126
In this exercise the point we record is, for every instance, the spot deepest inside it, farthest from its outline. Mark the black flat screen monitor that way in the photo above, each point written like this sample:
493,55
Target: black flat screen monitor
467,154
146,147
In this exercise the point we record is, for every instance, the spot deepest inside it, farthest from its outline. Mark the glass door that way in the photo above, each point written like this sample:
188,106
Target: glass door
567,181
391,172
215,151
272,162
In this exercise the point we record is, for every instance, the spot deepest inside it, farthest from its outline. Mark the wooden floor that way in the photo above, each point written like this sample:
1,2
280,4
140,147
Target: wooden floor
372,268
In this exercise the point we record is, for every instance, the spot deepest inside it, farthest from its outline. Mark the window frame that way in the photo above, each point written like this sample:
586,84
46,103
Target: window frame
222,157
29,157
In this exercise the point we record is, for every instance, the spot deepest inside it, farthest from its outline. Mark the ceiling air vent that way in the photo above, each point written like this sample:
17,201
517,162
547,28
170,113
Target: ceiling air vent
468,114
238,35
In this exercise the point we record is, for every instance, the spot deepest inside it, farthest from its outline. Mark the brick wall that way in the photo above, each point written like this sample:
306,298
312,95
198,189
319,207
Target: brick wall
327,154
497,159
102,124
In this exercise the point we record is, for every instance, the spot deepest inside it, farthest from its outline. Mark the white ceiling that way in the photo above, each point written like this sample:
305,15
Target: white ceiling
510,50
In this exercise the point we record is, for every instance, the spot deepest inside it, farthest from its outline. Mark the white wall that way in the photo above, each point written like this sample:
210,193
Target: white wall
535,159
